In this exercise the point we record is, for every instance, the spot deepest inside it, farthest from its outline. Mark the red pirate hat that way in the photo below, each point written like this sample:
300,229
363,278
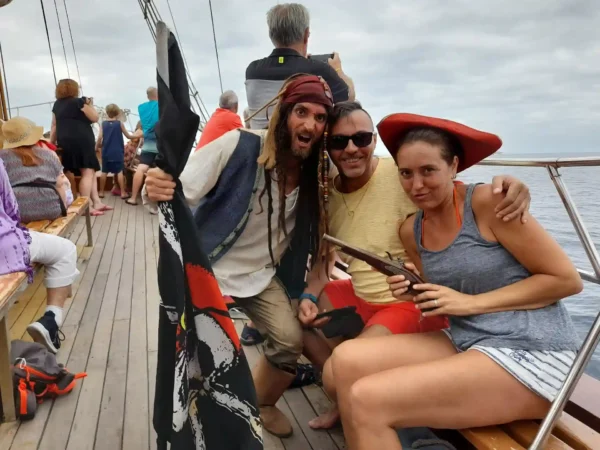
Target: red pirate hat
477,145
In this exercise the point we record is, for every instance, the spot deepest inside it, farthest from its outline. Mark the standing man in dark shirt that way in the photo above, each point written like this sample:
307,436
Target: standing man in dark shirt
289,31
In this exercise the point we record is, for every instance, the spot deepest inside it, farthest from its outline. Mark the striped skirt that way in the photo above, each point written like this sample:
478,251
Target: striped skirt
543,372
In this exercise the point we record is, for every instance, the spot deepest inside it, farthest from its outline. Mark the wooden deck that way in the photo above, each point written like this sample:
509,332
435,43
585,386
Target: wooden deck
110,328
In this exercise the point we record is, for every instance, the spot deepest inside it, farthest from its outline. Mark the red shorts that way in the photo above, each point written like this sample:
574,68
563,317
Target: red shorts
399,318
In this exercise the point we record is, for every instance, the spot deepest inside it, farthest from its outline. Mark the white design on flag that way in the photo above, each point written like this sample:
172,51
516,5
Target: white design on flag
166,221
220,345
180,404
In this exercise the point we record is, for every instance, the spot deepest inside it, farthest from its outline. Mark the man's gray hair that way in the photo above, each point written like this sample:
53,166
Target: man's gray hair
152,92
287,24
228,100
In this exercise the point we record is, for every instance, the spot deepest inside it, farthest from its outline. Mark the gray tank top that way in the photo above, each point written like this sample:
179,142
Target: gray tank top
473,265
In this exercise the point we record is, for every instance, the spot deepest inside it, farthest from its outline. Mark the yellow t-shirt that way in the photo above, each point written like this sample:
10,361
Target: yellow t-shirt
370,218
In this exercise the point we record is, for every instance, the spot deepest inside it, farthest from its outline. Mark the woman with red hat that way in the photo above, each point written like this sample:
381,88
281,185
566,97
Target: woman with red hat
510,344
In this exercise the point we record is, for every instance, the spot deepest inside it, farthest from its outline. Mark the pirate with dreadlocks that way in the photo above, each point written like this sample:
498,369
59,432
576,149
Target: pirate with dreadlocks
260,204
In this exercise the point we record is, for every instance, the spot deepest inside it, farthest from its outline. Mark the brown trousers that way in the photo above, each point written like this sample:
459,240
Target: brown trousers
275,317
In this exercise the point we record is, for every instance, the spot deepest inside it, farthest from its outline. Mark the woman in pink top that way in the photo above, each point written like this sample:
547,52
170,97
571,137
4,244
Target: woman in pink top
20,247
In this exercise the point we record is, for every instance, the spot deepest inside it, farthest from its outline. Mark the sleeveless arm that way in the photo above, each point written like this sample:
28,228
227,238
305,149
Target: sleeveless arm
553,275
407,236
89,111
125,132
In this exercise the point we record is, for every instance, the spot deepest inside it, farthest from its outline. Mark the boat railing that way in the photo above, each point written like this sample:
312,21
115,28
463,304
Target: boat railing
553,166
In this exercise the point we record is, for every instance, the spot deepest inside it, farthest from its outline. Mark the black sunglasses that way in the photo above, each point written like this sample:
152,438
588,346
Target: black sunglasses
340,142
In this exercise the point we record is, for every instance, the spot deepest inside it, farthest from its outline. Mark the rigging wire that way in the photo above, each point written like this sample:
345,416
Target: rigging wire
215,39
49,45
62,39
152,17
5,80
73,44
178,37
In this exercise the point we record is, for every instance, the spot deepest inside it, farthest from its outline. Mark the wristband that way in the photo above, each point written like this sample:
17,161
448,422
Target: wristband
310,297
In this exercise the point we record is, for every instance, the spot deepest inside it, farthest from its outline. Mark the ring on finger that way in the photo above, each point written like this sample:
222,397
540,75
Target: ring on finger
435,303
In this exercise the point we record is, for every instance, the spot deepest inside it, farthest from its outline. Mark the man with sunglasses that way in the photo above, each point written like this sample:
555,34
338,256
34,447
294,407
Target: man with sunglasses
366,207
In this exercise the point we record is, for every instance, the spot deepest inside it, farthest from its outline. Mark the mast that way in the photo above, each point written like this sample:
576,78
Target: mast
152,18
3,107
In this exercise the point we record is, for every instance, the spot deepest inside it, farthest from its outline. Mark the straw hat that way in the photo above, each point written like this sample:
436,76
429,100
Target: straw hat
477,145
19,132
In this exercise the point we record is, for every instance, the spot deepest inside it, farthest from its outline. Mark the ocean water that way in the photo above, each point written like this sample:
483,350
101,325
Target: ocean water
583,184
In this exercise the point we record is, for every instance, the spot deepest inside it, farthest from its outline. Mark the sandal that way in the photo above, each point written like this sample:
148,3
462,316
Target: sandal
96,212
305,376
251,336
130,204
106,208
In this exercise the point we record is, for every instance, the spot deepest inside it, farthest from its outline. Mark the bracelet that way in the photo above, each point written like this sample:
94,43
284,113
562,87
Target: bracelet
311,297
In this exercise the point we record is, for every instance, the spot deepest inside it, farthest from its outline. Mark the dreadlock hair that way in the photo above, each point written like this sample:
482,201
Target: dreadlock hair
313,185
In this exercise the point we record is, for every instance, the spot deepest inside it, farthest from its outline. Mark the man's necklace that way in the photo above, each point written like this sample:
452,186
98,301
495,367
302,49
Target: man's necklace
349,211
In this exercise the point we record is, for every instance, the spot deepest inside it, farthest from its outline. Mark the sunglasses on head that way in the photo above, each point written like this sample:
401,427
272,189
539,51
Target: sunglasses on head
340,142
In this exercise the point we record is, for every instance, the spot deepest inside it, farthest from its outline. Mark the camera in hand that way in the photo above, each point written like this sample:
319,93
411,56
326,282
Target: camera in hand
322,57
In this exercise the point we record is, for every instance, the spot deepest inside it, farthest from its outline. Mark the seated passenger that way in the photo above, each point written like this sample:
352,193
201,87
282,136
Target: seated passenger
20,247
510,343
35,173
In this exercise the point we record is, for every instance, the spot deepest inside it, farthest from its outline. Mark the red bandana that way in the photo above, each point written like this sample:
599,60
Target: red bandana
308,89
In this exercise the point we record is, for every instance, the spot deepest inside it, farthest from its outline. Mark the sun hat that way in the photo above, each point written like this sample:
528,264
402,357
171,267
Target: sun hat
19,132
477,145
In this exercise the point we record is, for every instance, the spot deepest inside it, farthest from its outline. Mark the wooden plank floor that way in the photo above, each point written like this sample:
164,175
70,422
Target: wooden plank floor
110,332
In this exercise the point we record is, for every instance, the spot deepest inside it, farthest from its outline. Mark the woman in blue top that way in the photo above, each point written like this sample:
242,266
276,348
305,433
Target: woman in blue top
510,343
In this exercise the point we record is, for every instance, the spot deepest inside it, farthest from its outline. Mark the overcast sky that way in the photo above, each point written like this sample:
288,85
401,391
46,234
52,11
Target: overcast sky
527,70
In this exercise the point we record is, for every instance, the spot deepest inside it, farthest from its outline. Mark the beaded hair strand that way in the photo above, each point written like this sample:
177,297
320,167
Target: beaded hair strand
323,175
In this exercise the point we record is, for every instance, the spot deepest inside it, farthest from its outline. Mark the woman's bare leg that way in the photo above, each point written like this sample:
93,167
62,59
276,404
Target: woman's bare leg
138,181
430,385
102,184
330,418
88,188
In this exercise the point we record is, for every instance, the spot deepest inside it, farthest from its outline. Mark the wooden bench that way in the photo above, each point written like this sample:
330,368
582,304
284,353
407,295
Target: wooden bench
11,284
577,429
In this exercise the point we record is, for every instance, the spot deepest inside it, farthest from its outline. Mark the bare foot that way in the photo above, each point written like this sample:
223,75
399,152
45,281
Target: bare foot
102,207
327,420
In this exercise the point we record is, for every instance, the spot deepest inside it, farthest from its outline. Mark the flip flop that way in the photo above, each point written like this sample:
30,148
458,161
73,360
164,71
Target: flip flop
305,376
250,336
131,204
106,208
96,212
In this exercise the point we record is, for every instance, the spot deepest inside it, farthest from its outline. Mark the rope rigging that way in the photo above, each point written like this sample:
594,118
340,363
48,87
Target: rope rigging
62,39
49,45
215,39
152,17
73,45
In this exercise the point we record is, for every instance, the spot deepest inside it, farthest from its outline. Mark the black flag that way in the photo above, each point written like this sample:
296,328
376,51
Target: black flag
205,396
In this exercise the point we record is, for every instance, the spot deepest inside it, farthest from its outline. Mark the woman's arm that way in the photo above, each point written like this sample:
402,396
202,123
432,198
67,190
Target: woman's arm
407,235
398,283
553,275
99,140
90,112
53,129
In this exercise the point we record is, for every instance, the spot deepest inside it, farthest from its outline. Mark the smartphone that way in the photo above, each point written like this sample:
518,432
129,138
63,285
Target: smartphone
337,313
323,57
